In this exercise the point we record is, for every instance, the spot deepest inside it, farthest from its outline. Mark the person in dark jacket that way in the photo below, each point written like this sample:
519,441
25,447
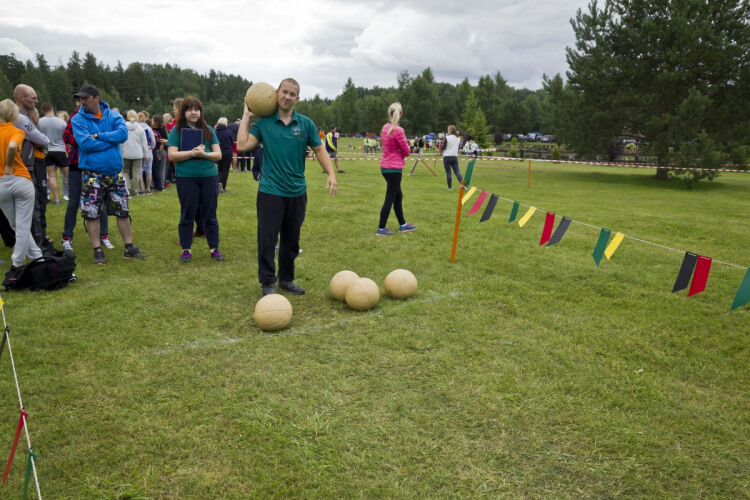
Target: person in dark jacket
226,141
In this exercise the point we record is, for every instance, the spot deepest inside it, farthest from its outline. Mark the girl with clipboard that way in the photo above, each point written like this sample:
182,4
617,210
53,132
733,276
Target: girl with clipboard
194,149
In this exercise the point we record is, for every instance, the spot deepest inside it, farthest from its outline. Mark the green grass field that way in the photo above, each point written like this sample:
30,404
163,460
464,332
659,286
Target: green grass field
517,371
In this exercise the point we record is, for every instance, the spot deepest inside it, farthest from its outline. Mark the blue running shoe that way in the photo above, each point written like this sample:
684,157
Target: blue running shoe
384,232
406,227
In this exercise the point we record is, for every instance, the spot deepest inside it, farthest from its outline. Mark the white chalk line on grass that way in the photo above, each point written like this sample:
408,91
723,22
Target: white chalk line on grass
199,344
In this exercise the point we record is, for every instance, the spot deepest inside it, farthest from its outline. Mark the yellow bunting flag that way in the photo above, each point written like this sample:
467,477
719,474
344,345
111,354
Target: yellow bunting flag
613,245
526,216
468,195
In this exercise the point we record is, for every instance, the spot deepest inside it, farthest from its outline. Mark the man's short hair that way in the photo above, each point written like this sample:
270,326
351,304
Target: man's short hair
292,81
47,107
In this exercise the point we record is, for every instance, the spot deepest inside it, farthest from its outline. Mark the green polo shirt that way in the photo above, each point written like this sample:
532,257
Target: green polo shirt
284,151
196,167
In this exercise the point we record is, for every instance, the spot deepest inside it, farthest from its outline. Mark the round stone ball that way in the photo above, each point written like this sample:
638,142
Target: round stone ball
340,282
273,312
362,294
261,99
400,284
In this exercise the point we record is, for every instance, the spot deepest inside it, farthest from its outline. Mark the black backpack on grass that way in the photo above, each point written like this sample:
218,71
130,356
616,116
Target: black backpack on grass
51,271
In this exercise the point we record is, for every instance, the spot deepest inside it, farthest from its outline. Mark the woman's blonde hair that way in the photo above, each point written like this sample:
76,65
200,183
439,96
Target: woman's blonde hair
452,130
131,115
222,121
141,116
63,115
8,111
394,115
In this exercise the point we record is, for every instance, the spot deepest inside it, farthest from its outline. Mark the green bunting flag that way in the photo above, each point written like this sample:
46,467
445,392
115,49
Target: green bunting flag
29,467
469,170
743,292
5,337
601,245
513,212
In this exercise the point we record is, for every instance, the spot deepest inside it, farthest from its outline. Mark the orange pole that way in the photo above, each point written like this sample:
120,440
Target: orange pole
458,220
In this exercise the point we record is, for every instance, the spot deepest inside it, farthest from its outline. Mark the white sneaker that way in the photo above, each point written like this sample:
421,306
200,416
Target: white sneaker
67,244
107,243
65,197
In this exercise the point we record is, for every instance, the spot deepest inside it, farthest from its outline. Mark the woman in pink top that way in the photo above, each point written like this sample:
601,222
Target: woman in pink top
395,149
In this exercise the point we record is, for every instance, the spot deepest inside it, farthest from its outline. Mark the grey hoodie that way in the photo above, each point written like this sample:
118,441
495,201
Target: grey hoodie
136,146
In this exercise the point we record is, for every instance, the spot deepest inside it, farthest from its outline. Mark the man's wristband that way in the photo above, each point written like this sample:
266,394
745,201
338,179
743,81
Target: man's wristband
96,136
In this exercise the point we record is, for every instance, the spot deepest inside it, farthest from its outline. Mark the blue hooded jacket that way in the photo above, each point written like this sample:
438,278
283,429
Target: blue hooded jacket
101,155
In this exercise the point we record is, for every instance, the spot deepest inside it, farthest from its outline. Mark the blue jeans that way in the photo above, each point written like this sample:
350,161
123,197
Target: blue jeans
71,212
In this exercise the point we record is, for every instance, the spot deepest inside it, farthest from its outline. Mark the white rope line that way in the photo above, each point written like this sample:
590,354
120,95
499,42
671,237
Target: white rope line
20,401
610,164
625,235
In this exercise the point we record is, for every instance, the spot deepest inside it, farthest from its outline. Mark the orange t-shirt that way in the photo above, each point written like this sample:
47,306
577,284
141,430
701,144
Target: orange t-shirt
10,133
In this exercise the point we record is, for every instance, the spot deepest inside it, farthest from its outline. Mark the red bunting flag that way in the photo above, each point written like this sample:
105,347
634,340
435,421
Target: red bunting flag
478,204
549,223
21,420
700,276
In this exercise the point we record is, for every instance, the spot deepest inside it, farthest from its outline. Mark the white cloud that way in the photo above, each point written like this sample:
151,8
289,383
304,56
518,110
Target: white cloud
319,42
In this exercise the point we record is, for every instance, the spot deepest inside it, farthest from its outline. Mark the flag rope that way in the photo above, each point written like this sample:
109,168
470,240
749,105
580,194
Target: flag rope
20,400
626,236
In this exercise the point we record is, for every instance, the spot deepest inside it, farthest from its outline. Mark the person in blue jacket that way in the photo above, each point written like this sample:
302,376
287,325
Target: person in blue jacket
99,133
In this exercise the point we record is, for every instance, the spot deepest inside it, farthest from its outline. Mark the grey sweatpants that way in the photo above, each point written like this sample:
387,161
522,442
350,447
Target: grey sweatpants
17,203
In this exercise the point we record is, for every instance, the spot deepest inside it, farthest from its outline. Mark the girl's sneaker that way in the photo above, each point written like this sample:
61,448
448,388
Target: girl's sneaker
406,227
384,232
186,255
216,255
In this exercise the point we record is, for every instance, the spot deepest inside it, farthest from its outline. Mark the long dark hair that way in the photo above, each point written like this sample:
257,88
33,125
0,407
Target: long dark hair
191,102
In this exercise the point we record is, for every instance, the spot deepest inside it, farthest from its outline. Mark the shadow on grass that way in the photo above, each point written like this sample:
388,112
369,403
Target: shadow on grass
722,183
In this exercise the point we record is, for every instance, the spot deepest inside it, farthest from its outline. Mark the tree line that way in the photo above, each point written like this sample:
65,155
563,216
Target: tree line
672,74
429,106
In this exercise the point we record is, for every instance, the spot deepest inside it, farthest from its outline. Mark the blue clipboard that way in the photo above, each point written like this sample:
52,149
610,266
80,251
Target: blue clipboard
190,138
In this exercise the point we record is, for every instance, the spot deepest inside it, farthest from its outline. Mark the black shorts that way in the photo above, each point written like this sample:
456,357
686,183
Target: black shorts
56,158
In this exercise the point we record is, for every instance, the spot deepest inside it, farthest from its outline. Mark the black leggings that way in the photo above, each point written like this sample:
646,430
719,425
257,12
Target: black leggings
393,198
451,163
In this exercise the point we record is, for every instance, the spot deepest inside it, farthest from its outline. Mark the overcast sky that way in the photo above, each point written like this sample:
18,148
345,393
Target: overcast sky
318,42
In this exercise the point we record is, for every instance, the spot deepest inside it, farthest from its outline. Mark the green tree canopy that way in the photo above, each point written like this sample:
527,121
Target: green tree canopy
674,72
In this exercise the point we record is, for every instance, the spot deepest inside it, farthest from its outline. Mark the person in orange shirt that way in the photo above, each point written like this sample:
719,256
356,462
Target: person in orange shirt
16,187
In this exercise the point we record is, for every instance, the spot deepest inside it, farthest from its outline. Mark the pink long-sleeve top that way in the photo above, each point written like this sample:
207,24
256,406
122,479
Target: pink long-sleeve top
395,148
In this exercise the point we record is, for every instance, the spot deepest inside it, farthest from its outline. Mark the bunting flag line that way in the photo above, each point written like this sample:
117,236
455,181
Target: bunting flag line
29,468
686,272
700,276
559,232
468,195
513,212
478,204
743,292
601,244
526,216
489,208
549,222
21,420
612,247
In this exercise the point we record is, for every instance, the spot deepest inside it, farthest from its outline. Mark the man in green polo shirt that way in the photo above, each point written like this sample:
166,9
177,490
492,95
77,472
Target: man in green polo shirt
282,190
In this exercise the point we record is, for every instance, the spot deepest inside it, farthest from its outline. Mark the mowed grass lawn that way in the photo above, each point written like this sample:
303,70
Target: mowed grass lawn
517,371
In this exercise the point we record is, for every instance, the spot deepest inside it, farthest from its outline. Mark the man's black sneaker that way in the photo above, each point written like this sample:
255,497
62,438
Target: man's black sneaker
132,252
267,290
291,287
99,257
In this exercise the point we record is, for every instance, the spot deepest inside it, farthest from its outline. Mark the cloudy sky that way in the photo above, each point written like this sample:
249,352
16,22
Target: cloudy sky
318,42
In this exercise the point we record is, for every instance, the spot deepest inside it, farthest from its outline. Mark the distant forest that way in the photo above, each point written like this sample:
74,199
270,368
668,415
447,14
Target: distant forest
489,107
